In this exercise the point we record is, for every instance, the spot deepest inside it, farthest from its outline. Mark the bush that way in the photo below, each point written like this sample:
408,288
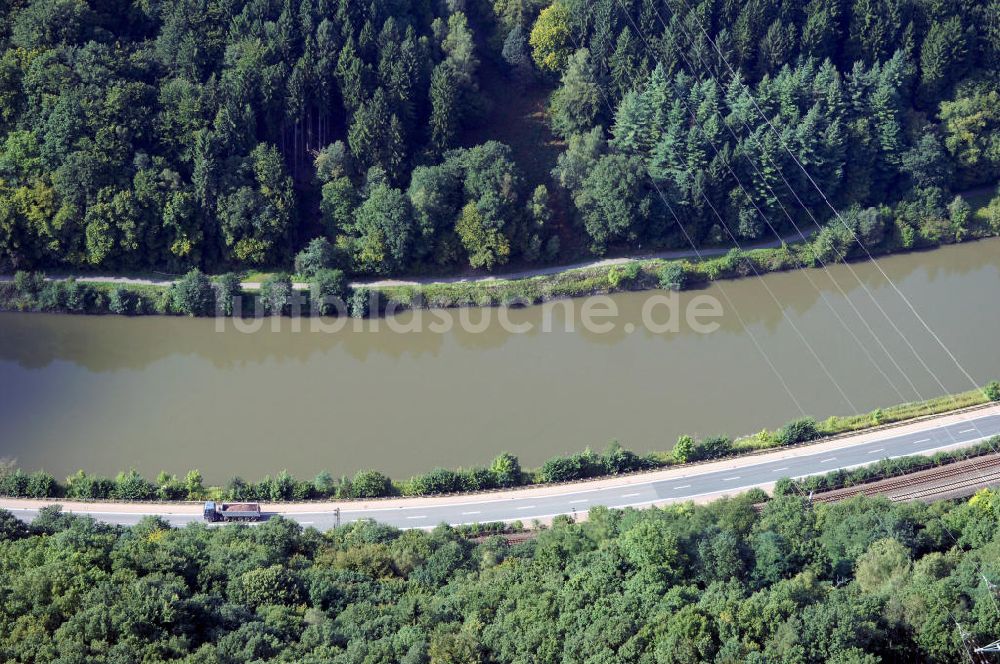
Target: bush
275,294
318,255
28,284
53,296
560,469
132,486
673,276
323,485
478,479
120,301
371,484
227,287
192,294
14,484
797,431
713,447
79,297
439,480
328,292
89,487
623,275
358,304
617,460
41,485
992,390
684,450
506,470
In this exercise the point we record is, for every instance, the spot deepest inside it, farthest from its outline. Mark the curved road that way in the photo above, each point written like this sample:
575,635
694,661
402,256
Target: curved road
700,482
468,278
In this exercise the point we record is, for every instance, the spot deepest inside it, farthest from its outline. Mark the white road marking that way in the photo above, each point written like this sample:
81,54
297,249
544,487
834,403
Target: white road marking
629,495
307,523
730,479
581,500
683,486
527,507
778,470
468,513
922,440
881,449
827,460
966,430
422,516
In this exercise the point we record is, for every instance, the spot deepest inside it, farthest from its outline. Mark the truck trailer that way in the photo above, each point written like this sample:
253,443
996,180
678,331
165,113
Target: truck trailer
231,511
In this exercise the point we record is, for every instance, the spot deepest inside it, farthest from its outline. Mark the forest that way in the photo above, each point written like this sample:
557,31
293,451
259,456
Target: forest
230,134
857,582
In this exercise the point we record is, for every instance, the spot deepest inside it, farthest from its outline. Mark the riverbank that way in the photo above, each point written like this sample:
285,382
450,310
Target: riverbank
504,473
940,438
883,232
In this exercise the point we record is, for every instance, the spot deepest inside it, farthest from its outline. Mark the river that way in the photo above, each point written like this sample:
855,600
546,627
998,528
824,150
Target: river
109,393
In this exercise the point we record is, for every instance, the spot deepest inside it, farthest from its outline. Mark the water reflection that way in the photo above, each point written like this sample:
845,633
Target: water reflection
109,392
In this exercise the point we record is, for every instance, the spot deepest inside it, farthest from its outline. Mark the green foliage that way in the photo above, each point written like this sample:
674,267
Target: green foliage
371,484
713,447
992,390
275,293
686,583
328,292
797,431
192,294
683,450
674,276
506,469
318,255
550,38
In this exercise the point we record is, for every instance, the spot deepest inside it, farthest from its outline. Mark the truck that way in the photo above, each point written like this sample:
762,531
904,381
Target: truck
231,511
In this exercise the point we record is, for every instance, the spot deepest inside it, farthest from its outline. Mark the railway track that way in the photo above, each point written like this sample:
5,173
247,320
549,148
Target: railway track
953,480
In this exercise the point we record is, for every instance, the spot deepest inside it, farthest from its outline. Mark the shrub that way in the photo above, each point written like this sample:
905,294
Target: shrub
561,469
506,470
358,304
684,450
282,487
14,484
275,294
324,485
132,486
52,296
89,487
478,479
41,485
78,296
371,484
28,284
120,301
797,431
992,390
239,489
439,480
192,294
318,255
623,275
617,460
169,487
328,291
713,447
227,287
674,276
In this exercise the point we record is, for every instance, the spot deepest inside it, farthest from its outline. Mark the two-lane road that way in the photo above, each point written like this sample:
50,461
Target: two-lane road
678,484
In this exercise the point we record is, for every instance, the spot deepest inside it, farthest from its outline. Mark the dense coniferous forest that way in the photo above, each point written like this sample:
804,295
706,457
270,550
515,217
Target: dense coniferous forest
226,134
859,582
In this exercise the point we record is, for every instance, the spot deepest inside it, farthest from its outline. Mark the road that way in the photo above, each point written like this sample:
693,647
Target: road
699,482
467,278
